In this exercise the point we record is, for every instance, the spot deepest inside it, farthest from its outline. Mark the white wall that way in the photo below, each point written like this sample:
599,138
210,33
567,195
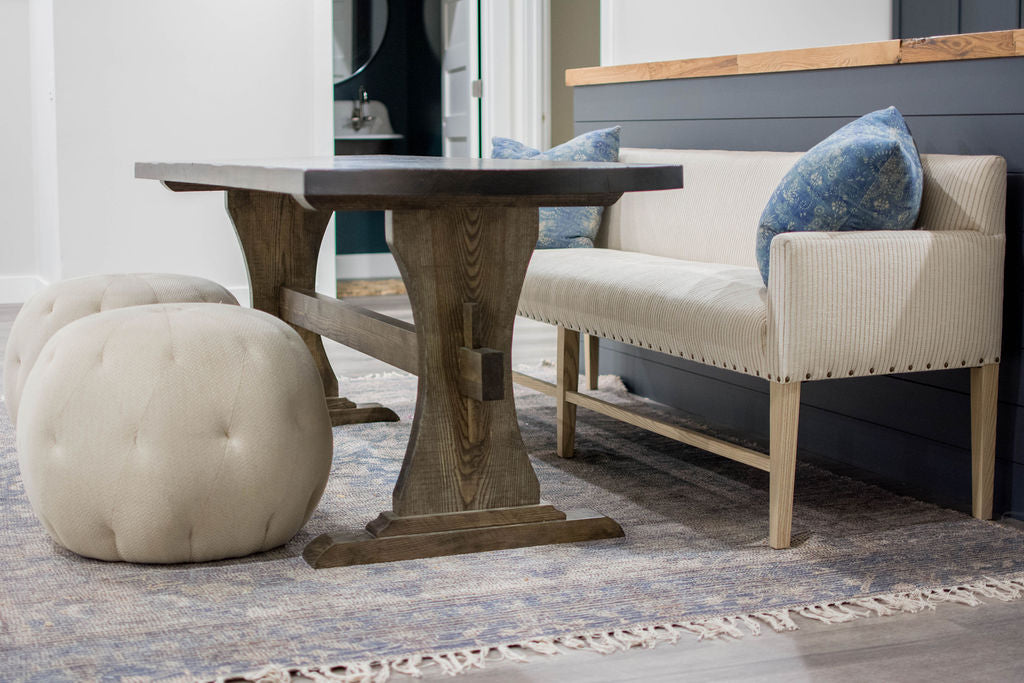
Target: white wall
159,80
654,30
18,261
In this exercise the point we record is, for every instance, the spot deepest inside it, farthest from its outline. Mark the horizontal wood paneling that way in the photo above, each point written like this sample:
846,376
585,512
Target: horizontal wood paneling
916,89
908,430
992,44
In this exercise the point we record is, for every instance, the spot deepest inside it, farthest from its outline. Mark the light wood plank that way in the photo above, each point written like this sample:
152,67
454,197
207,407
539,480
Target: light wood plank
831,57
711,444
957,47
567,368
591,359
784,418
986,45
984,406
536,384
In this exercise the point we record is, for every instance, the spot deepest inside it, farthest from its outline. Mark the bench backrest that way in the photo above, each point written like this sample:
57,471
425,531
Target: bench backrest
714,217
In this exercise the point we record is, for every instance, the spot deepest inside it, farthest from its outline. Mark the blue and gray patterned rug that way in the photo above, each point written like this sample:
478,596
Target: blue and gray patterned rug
694,559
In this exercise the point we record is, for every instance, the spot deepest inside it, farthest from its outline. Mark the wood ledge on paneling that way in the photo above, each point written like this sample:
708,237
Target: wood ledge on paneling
909,50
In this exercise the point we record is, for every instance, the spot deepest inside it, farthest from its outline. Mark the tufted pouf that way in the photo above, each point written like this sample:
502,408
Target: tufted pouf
174,433
63,302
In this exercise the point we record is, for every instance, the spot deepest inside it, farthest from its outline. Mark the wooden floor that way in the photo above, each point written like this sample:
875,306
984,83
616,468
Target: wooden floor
951,643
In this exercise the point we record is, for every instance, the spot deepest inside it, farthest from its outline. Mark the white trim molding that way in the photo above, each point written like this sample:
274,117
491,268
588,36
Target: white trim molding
515,66
16,289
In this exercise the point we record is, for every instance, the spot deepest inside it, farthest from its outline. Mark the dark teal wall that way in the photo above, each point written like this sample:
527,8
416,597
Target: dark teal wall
405,75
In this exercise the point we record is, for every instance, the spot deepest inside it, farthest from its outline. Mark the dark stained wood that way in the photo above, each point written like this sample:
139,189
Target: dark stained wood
463,454
482,374
361,413
383,181
390,524
346,549
440,201
388,339
984,45
281,242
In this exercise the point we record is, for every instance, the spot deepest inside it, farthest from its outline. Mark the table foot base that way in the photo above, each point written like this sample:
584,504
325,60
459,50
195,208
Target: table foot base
345,412
346,548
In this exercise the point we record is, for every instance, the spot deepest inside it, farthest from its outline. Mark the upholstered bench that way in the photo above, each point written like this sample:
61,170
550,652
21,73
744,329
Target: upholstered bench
675,272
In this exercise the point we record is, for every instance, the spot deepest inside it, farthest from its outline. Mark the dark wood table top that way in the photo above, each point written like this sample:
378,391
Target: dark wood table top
388,178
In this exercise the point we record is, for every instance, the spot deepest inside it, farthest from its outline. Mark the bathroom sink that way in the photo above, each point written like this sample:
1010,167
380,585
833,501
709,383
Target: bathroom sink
377,128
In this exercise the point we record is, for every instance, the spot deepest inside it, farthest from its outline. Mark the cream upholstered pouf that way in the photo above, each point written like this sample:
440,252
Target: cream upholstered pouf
174,433
63,302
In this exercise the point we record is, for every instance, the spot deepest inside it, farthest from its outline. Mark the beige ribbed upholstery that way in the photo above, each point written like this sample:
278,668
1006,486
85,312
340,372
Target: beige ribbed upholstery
678,274
712,219
715,314
861,303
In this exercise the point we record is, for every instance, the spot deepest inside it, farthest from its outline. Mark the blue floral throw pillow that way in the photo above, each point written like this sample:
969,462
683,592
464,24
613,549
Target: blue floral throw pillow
567,226
865,176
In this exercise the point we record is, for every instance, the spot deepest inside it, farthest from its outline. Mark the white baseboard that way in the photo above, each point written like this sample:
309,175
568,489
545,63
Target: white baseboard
16,289
366,266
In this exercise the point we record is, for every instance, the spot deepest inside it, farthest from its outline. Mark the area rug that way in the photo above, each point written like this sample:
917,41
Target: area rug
694,561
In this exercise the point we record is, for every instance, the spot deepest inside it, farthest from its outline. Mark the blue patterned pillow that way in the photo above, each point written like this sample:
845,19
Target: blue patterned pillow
865,176
567,226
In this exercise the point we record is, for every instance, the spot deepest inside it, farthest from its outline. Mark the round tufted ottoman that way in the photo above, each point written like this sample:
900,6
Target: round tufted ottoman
174,433
63,302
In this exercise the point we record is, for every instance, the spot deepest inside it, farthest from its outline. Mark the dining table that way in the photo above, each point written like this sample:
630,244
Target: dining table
462,232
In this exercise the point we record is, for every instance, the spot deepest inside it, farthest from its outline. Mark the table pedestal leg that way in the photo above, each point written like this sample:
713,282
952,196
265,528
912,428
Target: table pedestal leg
281,242
466,483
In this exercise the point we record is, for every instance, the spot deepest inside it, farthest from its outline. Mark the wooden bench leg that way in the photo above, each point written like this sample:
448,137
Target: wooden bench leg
590,359
784,413
568,369
984,404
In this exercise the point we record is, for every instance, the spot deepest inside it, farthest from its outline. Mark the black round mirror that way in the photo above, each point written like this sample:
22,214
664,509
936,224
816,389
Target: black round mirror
359,27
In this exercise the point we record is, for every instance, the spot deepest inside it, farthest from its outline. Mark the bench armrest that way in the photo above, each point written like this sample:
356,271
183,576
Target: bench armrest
846,304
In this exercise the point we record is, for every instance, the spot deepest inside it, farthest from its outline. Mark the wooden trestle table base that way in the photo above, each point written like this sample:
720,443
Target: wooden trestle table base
462,232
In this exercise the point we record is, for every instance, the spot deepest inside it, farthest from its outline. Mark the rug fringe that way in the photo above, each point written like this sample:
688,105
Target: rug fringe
456,662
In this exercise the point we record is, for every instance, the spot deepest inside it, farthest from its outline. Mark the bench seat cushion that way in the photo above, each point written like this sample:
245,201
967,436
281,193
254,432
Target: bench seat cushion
712,313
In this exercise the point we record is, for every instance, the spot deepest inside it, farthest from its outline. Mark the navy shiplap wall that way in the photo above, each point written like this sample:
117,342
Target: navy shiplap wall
911,431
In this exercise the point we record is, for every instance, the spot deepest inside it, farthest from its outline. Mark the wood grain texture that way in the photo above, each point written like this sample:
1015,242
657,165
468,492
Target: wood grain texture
784,415
984,406
462,454
711,444
388,339
440,201
567,370
409,182
346,549
591,359
991,44
831,57
361,413
390,524
961,46
281,242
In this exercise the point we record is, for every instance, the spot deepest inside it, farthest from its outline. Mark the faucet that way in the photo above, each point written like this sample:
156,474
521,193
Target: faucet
359,118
